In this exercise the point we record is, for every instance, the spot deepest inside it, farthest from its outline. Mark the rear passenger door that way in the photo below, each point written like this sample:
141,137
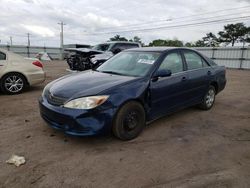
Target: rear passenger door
199,74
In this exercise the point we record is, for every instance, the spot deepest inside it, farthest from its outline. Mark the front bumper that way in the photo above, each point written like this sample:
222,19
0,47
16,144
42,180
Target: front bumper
77,122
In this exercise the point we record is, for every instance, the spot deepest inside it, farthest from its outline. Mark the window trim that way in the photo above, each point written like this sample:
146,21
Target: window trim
202,58
5,56
170,52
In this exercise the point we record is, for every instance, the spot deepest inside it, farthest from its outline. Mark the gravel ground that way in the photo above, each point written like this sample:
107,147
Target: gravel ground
191,148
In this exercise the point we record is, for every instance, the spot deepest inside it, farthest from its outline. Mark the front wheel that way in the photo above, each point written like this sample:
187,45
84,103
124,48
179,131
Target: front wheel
13,83
209,98
129,121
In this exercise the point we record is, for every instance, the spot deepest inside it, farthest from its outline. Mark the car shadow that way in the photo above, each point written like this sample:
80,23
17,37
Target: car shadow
109,141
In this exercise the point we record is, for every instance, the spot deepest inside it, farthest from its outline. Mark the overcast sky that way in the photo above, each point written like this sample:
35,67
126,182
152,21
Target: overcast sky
95,21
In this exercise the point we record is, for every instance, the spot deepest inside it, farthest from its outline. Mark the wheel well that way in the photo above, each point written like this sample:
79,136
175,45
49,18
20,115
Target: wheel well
215,86
135,100
26,80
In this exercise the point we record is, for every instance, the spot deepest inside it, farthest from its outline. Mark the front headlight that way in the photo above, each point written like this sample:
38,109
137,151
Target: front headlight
86,102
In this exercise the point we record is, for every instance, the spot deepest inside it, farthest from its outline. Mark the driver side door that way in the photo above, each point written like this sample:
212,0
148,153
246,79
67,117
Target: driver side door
169,93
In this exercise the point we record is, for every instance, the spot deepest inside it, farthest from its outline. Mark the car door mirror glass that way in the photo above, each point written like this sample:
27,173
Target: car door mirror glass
163,73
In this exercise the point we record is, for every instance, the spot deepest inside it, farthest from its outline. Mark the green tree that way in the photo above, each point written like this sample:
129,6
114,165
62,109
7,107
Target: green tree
161,42
158,42
233,33
136,39
175,42
199,43
118,38
189,44
210,40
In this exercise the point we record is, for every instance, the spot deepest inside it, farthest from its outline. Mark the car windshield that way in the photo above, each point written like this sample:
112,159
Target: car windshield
130,63
101,47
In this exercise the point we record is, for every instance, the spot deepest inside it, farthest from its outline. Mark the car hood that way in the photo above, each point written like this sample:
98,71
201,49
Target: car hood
83,50
86,84
104,56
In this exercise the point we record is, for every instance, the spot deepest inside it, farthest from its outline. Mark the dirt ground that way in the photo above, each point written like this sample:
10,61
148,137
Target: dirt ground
191,148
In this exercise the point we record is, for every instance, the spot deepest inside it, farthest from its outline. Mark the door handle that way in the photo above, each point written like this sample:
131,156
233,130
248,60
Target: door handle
184,78
209,72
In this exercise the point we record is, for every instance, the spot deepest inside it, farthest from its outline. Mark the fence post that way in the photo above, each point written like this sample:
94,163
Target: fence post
242,57
213,50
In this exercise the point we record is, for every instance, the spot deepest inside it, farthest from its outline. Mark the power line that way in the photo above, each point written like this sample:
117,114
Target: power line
208,18
177,18
174,26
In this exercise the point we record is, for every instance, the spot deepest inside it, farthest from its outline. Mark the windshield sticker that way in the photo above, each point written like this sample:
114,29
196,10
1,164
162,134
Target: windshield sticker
146,61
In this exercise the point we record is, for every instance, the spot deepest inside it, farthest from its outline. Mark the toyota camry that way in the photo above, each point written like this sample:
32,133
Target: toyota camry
130,90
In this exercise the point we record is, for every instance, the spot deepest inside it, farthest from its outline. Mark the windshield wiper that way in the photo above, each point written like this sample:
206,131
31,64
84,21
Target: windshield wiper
112,72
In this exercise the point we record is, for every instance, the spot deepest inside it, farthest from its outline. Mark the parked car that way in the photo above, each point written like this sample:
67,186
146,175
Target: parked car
17,72
81,59
130,89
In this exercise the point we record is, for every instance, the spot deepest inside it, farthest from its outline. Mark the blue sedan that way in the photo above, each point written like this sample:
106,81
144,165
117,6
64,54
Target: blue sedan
130,89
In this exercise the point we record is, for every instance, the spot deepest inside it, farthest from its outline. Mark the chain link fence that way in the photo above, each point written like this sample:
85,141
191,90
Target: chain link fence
231,57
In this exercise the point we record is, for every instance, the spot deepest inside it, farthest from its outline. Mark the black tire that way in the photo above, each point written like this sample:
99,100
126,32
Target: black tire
208,99
129,121
13,83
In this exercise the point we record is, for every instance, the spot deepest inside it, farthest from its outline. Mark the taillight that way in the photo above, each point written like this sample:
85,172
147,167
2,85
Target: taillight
38,63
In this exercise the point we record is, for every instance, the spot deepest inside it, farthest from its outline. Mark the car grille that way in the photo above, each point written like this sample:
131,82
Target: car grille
54,100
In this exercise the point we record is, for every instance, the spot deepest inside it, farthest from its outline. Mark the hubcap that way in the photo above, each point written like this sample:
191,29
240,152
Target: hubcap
210,98
130,121
13,84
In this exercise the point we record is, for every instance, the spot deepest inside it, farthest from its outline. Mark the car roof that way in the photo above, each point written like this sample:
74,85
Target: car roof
123,42
157,49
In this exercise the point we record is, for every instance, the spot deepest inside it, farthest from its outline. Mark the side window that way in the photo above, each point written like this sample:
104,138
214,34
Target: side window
124,46
2,56
173,62
127,46
194,61
118,45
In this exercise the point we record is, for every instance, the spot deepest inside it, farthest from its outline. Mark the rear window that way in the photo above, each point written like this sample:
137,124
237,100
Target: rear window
101,47
124,46
194,60
2,56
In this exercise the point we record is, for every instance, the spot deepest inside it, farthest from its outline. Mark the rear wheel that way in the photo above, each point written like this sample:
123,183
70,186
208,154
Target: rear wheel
129,121
209,98
13,83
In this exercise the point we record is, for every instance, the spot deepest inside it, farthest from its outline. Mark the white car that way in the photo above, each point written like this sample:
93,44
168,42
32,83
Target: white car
18,72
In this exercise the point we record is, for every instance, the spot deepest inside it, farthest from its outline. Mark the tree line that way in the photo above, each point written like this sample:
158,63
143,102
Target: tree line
231,34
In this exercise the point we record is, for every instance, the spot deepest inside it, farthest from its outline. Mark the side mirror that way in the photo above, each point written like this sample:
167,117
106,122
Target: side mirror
163,73
116,50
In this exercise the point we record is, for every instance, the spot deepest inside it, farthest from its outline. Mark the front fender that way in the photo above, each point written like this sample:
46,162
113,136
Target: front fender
137,91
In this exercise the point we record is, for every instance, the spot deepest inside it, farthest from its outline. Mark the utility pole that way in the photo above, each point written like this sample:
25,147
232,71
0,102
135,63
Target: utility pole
11,40
28,35
61,38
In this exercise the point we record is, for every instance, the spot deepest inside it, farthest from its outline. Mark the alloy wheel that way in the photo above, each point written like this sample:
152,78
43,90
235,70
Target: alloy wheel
14,84
210,98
